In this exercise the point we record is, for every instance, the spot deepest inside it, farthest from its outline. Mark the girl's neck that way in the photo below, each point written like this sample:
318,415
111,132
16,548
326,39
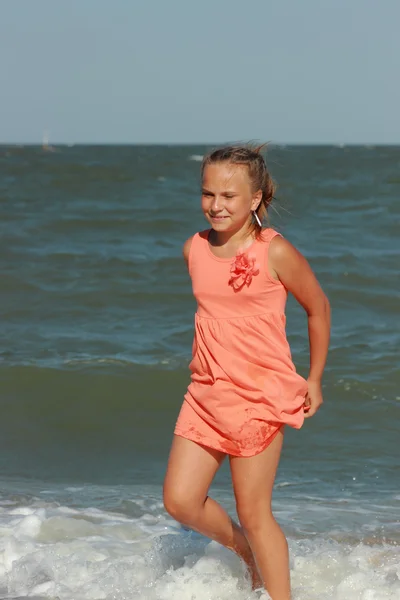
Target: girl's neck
233,239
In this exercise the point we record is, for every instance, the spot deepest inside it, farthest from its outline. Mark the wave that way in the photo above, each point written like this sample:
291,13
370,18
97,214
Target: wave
53,547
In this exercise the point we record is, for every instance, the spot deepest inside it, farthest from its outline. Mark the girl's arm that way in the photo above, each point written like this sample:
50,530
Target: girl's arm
292,269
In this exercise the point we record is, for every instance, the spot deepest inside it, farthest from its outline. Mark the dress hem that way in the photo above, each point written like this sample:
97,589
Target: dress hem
209,443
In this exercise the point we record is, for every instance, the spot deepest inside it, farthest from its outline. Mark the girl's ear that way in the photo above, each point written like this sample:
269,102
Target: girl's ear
256,200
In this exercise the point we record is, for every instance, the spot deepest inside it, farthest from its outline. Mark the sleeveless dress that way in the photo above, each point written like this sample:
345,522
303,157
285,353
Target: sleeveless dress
244,387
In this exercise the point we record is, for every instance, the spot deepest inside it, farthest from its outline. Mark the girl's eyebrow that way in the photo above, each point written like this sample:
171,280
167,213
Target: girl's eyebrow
231,192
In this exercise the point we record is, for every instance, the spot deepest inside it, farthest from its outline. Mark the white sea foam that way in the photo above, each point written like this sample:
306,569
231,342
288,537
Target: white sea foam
49,550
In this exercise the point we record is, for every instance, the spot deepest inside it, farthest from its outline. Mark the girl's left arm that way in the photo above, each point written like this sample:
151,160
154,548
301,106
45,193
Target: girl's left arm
289,266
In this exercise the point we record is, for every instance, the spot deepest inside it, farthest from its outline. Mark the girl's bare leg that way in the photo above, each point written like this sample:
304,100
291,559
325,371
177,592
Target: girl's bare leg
191,469
253,480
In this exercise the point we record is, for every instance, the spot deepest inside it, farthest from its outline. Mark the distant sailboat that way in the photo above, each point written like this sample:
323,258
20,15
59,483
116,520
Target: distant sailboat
46,147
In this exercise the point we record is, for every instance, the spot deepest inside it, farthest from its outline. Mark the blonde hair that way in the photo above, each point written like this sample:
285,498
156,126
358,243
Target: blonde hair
259,176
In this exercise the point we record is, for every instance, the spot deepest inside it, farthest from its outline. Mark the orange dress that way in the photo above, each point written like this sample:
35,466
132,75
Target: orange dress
244,387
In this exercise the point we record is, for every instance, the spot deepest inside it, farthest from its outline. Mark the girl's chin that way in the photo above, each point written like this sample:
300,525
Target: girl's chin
219,223
225,224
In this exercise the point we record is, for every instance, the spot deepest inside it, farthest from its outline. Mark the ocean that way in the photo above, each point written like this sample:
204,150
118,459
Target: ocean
95,340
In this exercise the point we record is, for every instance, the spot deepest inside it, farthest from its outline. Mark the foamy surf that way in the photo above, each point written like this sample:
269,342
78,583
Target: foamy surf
50,550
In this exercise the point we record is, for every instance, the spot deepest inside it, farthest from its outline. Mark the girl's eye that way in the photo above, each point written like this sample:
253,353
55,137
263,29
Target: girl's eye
207,194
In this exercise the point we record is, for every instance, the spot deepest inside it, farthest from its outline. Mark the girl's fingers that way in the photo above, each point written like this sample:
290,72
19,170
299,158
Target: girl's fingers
309,413
309,408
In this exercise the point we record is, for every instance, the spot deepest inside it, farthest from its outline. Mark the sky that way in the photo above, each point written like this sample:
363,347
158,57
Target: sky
211,71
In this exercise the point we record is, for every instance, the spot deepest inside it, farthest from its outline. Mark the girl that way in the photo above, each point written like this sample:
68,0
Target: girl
244,387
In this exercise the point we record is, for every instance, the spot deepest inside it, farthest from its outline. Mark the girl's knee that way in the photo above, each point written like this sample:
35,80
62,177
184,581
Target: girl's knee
254,516
179,507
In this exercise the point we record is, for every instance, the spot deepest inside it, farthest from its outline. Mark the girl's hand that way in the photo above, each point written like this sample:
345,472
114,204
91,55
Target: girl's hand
313,398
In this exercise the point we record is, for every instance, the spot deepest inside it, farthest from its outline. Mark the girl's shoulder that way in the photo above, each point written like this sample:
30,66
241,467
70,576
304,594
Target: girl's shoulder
268,234
283,255
192,240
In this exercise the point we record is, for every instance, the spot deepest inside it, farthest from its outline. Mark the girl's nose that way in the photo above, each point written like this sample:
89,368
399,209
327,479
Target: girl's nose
216,204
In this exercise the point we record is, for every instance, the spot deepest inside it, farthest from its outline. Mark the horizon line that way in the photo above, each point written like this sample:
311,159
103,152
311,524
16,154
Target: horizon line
219,144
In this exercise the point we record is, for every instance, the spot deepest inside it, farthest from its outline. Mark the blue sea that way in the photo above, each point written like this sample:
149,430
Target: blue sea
95,340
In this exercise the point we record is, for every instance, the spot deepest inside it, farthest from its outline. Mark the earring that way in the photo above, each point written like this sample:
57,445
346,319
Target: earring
257,218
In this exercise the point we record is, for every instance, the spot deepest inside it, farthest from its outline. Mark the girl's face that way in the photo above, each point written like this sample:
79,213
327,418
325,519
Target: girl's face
227,198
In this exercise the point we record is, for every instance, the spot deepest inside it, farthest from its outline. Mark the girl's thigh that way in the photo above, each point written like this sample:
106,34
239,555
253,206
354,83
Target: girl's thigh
253,477
191,469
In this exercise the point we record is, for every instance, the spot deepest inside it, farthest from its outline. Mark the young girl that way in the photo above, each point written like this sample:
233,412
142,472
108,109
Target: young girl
244,387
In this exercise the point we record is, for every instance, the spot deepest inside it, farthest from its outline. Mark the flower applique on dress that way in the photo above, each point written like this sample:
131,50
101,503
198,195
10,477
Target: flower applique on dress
243,269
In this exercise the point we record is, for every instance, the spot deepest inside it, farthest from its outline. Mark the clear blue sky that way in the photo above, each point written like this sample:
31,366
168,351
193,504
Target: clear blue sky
171,71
